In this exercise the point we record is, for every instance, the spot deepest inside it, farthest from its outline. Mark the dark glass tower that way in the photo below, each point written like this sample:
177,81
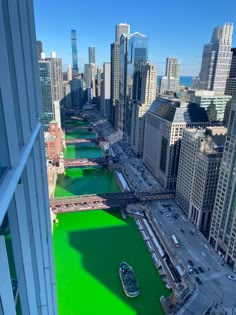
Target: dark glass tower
74,51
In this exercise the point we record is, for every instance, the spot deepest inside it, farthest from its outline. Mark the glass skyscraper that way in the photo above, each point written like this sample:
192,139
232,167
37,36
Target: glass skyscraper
92,54
74,51
133,54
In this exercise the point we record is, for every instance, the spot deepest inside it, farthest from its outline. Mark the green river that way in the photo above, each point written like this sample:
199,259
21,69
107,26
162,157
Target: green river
89,246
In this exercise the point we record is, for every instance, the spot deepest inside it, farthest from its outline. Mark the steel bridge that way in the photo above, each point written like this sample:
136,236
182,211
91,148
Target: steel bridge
86,162
103,201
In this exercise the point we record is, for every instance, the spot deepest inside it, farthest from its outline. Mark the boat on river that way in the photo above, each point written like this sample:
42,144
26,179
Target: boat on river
128,280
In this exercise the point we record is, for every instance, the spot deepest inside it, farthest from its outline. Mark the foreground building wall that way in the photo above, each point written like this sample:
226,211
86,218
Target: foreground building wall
24,205
223,227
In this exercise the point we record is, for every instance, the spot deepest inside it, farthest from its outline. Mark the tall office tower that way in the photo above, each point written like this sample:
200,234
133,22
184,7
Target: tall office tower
216,60
106,89
46,92
66,94
164,124
133,54
87,75
148,95
121,28
39,46
91,50
214,103
115,53
199,163
93,80
56,77
75,68
98,85
77,93
69,73
230,88
223,225
170,82
27,283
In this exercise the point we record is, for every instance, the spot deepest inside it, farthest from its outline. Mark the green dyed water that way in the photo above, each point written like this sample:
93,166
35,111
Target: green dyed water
76,123
88,248
76,151
85,180
80,134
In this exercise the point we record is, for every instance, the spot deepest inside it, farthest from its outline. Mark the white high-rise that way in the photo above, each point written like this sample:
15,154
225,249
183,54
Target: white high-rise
170,82
121,28
216,60
27,276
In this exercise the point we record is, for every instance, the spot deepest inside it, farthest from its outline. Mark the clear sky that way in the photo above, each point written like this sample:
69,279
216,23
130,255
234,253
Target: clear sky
175,28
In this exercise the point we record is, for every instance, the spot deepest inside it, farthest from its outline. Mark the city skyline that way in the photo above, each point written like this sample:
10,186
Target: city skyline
184,42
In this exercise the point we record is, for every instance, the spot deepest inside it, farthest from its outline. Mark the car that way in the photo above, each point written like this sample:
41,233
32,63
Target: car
190,262
196,271
190,269
203,254
232,277
201,269
182,231
198,280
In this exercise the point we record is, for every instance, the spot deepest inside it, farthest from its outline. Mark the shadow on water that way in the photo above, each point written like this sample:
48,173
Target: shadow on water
100,251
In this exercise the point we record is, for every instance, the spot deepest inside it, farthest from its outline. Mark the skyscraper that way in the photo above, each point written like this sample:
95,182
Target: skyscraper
199,163
231,81
216,60
106,89
56,77
121,28
75,68
24,205
170,82
139,108
223,226
133,54
46,92
91,54
164,124
115,55
39,48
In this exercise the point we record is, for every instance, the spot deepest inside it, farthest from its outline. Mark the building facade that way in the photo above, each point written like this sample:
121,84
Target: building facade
199,164
148,95
53,141
91,50
214,103
223,226
27,275
46,92
230,88
164,124
216,60
170,82
75,68
115,56
121,28
133,55
106,89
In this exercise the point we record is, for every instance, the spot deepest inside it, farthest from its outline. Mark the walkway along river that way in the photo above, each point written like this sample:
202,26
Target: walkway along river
88,248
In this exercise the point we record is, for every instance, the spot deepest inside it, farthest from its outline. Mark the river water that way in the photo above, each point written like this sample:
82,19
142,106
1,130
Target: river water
88,248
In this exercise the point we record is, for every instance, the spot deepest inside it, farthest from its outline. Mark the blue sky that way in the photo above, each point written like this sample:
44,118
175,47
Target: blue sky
175,28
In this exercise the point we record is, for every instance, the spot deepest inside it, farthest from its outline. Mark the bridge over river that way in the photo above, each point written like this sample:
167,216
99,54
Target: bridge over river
86,162
104,201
